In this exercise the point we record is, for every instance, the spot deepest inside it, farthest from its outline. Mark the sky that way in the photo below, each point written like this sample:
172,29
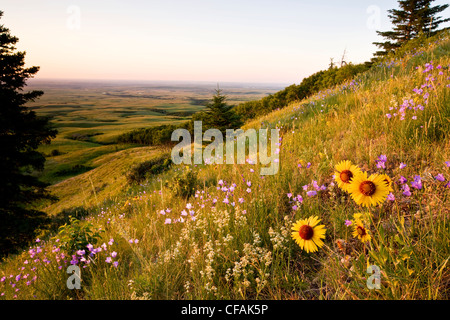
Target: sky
258,41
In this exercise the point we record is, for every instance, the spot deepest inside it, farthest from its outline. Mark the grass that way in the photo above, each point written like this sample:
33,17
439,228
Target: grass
243,249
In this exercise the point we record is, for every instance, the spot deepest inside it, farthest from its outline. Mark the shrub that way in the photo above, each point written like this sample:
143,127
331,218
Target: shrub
142,171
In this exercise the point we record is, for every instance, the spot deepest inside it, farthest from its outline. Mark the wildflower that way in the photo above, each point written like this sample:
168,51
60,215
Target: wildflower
345,172
402,180
381,162
90,247
311,193
168,221
391,197
289,195
115,264
406,190
447,163
184,213
81,252
417,183
300,198
440,177
108,260
388,181
294,207
113,254
368,191
402,165
348,223
308,234
360,231
241,200
226,201
188,206
249,190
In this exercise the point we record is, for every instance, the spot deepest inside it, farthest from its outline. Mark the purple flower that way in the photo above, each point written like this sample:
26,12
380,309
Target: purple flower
241,200
417,183
391,197
311,193
406,190
348,223
300,198
289,195
381,165
168,221
115,264
402,165
382,158
108,260
447,163
440,177
113,254
308,165
295,207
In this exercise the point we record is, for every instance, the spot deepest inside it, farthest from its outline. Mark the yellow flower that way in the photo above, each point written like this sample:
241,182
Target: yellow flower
360,232
345,172
307,234
388,181
367,191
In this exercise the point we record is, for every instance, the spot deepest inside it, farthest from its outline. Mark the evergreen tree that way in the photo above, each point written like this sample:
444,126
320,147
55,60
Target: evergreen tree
21,132
219,115
413,18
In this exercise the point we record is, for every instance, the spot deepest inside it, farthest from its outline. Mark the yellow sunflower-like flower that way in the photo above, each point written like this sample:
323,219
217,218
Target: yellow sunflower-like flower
360,232
388,181
367,191
308,234
345,172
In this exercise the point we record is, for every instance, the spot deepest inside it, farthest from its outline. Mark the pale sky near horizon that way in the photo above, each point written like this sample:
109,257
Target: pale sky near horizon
265,41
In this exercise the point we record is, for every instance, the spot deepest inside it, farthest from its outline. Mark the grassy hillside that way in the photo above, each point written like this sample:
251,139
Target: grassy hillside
231,238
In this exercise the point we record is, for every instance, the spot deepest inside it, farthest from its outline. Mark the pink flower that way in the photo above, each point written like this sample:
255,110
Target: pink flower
391,197
348,223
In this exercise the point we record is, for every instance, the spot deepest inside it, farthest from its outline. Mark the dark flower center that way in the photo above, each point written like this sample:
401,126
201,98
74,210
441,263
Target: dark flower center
346,176
367,188
361,231
306,232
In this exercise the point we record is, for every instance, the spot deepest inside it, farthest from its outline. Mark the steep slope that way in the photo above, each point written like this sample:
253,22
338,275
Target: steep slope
232,239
